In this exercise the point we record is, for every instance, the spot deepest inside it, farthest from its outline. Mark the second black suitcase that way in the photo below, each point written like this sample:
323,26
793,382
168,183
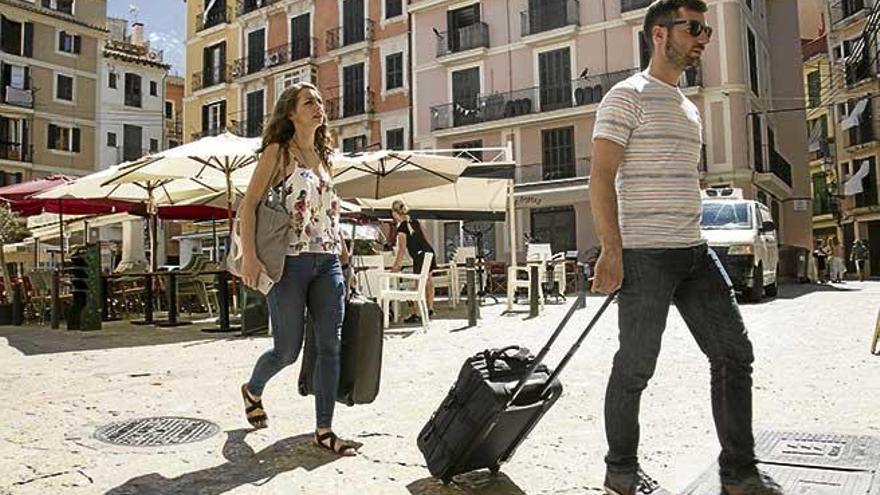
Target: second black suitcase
499,396
360,356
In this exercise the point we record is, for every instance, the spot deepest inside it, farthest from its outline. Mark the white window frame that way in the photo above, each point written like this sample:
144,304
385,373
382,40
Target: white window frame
173,110
572,60
480,65
390,20
54,6
246,35
211,115
247,92
55,89
115,74
158,145
21,68
68,35
21,24
115,140
69,130
402,87
150,87
348,63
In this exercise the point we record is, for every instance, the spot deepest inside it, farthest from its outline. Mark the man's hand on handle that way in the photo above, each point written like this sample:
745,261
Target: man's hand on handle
609,272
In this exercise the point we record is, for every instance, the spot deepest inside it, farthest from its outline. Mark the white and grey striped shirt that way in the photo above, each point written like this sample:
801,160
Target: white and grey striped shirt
658,184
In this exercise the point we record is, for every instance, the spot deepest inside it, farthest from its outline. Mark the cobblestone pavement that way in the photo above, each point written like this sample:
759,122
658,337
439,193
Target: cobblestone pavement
813,372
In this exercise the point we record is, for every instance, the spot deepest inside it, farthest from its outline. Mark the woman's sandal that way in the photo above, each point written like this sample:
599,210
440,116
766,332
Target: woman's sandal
337,446
253,410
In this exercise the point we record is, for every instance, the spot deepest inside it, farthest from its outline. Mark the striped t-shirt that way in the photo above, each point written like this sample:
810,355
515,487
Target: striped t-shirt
658,184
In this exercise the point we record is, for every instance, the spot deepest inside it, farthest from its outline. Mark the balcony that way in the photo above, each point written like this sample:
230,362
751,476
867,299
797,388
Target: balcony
342,36
463,39
344,107
300,49
554,15
213,18
211,77
858,71
628,5
845,9
488,108
16,152
17,97
780,167
539,172
248,127
248,6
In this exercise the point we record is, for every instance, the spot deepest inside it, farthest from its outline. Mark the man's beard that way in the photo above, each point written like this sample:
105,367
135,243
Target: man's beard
678,58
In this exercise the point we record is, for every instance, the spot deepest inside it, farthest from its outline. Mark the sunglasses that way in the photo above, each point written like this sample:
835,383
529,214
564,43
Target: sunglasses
694,27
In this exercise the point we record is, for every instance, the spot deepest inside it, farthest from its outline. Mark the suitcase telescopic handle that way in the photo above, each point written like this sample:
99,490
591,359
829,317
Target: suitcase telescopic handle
541,355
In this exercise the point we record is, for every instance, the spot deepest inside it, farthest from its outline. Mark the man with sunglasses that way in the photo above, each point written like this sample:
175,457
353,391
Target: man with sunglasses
645,196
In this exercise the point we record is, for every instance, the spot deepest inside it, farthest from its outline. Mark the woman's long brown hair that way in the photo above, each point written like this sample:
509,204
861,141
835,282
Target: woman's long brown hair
280,129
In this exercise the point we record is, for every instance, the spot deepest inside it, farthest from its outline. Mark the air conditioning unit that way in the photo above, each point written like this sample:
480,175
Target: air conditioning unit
274,59
21,97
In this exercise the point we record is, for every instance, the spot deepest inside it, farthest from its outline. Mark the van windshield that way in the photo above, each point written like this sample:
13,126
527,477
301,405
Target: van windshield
726,215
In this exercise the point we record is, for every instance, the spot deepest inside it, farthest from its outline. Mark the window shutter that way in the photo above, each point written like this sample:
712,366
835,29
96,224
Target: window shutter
5,75
222,69
25,137
27,78
77,44
61,40
75,140
223,114
28,39
52,137
204,118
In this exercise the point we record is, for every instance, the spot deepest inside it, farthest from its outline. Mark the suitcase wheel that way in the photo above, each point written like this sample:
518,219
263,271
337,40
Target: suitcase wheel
493,470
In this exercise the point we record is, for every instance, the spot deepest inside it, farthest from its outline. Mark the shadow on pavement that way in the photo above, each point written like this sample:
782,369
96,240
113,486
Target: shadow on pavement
794,291
243,466
34,340
474,483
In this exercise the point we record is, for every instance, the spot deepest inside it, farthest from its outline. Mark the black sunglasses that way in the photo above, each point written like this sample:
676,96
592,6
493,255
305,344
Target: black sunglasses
694,27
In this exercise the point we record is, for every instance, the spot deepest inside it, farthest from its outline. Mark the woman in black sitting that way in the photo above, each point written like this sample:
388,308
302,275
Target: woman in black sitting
411,238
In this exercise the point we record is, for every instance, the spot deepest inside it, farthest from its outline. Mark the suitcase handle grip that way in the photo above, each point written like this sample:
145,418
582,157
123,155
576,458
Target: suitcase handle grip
541,355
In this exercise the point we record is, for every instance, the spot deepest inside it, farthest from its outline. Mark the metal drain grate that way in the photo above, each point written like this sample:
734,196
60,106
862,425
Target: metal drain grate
819,450
795,481
156,432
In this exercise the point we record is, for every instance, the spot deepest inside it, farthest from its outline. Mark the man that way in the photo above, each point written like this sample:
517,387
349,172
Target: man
648,138
859,256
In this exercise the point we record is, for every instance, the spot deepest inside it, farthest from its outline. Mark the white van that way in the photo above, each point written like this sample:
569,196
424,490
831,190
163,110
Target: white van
743,234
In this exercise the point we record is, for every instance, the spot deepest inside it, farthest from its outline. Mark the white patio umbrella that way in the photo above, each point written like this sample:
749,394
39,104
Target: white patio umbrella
380,174
152,192
207,162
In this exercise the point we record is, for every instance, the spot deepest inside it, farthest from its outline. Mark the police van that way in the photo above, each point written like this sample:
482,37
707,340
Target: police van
743,234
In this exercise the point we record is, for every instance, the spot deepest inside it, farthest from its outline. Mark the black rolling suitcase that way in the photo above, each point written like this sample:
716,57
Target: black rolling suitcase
500,395
360,356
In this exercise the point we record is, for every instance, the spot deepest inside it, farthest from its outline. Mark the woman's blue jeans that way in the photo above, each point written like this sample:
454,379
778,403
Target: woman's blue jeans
310,281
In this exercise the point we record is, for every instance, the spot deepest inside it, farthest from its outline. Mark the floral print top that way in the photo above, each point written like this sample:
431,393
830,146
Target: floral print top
314,209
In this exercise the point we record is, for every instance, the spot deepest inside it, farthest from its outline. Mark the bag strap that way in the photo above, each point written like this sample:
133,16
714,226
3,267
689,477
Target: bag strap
541,355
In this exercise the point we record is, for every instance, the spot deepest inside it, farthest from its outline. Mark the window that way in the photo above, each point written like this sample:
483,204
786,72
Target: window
465,93
557,153
69,43
213,65
472,153
753,63
355,144
14,36
300,37
154,88
111,139
169,109
63,87
394,139
480,235
394,71
63,138
868,196
353,90
393,8
173,143
154,145
554,71
132,142
213,118
814,88
111,82
132,90
821,199
554,226
254,123
861,69
353,27
65,6
757,143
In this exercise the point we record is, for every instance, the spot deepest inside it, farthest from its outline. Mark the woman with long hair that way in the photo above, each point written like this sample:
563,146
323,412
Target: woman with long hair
296,157
411,238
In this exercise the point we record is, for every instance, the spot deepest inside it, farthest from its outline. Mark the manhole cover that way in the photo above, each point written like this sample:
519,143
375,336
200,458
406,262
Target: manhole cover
155,432
818,449
795,481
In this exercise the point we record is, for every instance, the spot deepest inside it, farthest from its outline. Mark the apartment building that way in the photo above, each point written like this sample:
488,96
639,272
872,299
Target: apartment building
50,66
532,72
840,74
174,89
132,94
242,55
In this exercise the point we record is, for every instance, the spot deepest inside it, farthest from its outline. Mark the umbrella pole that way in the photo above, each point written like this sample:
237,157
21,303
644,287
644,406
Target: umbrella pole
61,234
228,203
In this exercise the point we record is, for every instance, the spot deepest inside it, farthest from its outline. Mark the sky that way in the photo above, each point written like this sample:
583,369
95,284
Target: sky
164,25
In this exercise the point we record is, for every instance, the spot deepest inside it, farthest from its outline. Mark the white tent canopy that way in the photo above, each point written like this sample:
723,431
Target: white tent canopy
466,195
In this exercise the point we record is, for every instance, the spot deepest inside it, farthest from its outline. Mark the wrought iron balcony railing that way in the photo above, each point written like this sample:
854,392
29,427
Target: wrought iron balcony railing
299,49
350,34
463,39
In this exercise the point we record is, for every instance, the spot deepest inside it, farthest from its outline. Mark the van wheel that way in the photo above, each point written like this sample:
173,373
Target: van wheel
772,289
756,292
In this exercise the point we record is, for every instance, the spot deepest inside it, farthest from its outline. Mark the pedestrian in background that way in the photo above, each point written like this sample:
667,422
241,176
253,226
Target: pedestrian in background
821,256
838,263
859,256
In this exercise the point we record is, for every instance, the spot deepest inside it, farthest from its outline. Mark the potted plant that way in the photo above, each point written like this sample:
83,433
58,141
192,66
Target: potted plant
12,229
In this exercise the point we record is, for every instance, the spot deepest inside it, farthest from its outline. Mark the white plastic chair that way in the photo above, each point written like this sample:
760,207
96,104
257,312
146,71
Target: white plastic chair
367,269
535,253
391,292
451,275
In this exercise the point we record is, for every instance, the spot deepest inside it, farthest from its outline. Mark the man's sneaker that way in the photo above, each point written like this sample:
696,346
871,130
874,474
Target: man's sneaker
636,484
757,483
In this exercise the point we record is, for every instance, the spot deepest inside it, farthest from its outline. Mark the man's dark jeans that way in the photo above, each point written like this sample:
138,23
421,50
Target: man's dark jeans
693,279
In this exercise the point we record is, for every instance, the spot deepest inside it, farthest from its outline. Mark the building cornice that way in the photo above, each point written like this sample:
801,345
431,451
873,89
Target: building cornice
30,7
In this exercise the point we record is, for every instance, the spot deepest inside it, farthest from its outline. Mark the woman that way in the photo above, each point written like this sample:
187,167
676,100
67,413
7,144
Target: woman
411,238
296,156
838,266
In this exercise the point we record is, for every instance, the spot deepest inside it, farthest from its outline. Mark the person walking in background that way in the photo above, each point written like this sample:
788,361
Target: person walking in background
296,160
645,195
411,238
821,257
859,255
838,263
